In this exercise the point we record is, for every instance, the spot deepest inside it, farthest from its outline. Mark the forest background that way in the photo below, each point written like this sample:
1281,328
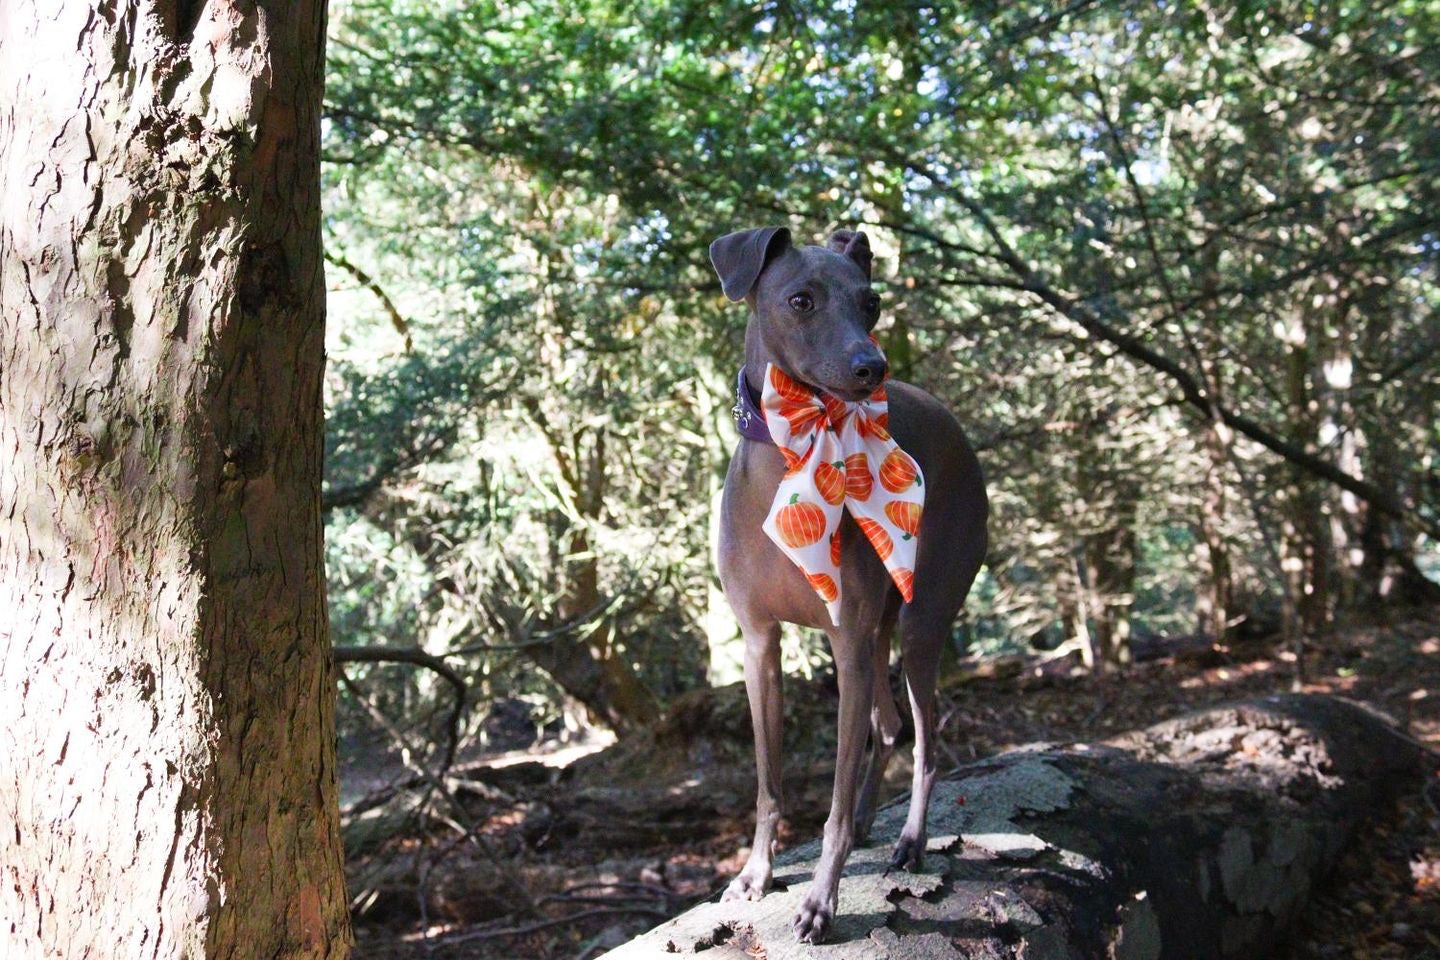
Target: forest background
1173,265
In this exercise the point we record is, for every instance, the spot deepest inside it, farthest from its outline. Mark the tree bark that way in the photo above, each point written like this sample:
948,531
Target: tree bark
1199,838
1110,567
1108,548
1305,528
167,765
1215,600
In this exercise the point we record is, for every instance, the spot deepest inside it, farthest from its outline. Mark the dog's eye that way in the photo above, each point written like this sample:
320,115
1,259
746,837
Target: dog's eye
872,303
802,302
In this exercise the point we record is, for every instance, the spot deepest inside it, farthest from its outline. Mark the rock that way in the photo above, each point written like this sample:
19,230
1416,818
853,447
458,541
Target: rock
1198,838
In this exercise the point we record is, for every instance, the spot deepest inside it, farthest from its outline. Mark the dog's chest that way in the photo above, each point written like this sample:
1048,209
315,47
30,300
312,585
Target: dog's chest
758,579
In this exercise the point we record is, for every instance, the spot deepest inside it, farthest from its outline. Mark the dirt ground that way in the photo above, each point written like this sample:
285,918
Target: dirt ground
524,860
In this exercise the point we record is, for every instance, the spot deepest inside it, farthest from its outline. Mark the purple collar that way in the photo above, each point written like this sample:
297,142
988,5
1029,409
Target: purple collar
749,418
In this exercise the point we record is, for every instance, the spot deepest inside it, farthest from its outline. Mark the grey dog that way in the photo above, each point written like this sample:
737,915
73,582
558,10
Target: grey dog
811,312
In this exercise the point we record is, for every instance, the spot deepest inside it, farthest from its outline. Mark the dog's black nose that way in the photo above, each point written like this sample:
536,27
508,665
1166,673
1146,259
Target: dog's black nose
868,368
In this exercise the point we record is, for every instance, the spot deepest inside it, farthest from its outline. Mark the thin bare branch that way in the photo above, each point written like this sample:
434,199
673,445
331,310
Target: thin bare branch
397,320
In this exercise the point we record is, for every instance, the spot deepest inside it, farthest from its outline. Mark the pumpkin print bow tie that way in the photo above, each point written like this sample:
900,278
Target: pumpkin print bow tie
840,457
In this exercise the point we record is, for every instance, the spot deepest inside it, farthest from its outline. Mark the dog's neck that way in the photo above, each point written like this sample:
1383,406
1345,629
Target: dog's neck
757,357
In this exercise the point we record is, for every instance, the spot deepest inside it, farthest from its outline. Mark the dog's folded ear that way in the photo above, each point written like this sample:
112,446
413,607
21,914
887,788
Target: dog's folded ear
855,245
740,257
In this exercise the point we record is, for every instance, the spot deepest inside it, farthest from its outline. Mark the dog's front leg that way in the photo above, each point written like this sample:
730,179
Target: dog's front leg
854,671
767,712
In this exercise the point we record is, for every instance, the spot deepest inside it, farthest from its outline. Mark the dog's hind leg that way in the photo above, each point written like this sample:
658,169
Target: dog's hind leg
884,723
951,550
921,639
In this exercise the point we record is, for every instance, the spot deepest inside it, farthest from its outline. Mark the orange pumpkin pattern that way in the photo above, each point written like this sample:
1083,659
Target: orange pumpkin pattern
905,515
873,427
800,415
824,585
832,448
794,462
800,523
858,481
830,481
904,579
898,473
878,536
787,387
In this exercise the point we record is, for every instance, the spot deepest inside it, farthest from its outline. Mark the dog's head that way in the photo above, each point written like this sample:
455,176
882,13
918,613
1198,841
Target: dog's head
812,307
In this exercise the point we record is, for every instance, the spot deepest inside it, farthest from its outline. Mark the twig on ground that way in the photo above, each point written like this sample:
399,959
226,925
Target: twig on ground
419,658
474,935
461,822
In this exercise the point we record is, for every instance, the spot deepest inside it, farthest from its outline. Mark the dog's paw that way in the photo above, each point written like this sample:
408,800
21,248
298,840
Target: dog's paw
749,885
909,853
812,920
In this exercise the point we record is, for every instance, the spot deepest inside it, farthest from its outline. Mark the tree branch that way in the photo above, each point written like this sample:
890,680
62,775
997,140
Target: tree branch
419,658
365,280
357,493
1190,388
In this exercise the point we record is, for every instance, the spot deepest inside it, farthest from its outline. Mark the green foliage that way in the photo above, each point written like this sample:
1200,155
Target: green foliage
1076,209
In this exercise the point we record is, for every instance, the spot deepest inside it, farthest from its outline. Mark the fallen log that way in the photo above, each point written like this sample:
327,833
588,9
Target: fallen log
1197,838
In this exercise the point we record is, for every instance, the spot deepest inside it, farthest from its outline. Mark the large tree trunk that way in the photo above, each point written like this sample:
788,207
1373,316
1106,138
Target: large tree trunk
1215,593
1107,553
167,766
1110,568
1198,838
1305,529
